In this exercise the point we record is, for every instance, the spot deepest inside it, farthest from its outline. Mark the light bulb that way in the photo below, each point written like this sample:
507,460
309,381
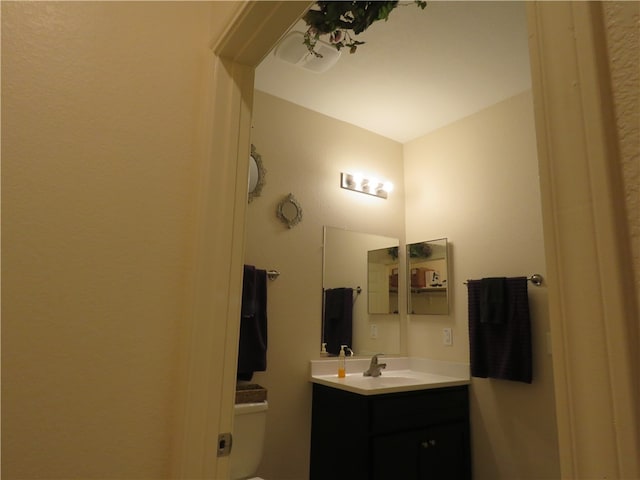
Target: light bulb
357,179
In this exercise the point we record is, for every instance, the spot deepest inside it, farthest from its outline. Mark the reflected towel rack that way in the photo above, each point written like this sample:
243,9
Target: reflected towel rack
536,279
272,274
357,290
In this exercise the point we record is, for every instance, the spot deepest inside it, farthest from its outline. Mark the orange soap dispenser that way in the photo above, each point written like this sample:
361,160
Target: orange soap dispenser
342,371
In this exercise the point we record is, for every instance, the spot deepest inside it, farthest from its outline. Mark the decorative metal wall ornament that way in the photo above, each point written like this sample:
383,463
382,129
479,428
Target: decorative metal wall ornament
289,211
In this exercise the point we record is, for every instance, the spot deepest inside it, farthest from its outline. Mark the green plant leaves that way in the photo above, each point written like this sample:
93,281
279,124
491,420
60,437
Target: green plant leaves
340,19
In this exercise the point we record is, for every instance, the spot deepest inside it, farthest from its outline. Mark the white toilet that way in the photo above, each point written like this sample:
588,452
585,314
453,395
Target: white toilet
248,439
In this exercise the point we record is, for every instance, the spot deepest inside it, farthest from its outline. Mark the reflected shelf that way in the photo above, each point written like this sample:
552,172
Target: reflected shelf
429,290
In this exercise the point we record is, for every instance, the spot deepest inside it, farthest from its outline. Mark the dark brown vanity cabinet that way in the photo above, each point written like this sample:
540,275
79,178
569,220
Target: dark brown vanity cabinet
397,436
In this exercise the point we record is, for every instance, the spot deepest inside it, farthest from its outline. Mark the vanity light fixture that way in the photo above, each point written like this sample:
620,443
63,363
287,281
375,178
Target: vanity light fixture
371,186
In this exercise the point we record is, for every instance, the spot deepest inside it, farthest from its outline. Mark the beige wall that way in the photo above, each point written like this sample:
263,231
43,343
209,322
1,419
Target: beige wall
304,153
623,41
476,181
101,104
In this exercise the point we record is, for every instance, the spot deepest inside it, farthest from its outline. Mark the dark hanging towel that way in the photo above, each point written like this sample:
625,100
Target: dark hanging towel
500,332
252,348
493,300
338,318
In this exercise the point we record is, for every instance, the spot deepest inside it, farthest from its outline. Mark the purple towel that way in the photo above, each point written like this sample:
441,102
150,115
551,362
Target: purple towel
337,327
501,350
493,300
249,291
252,347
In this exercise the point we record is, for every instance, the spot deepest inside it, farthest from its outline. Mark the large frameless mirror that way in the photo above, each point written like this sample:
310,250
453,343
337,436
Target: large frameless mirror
427,278
346,290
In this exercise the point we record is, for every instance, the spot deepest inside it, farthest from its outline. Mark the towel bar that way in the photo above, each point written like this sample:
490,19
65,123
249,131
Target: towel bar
536,279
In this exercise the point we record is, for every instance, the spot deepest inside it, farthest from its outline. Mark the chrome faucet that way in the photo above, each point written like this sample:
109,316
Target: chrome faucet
374,367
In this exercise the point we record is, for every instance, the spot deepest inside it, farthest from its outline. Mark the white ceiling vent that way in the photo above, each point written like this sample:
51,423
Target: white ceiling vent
293,50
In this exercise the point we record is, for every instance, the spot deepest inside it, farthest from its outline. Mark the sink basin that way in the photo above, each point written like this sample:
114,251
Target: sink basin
382,381
399,377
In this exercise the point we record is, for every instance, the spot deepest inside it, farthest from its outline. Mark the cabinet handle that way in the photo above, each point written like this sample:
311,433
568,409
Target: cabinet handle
428,443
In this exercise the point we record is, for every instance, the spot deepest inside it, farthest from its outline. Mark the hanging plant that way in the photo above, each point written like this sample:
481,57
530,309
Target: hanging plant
341,20
415,250
420,250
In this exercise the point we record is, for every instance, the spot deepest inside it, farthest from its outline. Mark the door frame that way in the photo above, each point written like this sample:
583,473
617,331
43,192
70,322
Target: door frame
593,321
209,391
592,301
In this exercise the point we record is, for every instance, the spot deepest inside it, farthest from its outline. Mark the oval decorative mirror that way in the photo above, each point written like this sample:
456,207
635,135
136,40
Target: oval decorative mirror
257,174
289,211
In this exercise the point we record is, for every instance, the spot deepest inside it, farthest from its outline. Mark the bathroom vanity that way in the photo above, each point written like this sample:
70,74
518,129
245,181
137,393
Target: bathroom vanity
397,431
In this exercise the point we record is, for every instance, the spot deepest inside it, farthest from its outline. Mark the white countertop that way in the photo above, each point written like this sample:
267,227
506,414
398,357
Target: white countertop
402,374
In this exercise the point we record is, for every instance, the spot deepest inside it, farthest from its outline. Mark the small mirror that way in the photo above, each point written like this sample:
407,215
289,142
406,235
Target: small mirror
427,278
289,211
257,174
382,280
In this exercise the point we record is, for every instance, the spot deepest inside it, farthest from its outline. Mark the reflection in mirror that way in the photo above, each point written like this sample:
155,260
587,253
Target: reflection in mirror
427,278
382,280
345,268
257,174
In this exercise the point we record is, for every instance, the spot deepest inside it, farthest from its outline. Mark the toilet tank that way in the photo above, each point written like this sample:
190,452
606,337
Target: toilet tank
249,424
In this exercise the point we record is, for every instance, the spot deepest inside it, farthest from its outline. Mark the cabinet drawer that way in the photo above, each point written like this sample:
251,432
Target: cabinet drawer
418,409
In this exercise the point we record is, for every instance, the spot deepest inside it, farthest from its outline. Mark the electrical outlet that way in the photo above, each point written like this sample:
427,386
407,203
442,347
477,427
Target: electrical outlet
373,330
447,336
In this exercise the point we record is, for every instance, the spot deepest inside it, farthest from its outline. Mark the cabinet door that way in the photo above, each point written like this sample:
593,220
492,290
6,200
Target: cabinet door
435,453
444,453
339,435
